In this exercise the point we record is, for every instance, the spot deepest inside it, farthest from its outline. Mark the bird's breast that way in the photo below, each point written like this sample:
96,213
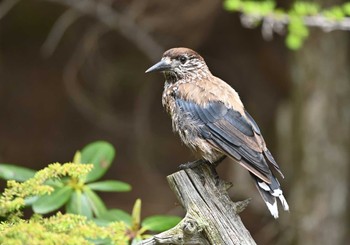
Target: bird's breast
182,124
168,98
185,125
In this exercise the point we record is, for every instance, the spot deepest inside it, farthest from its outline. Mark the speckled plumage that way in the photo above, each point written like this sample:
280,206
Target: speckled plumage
211,120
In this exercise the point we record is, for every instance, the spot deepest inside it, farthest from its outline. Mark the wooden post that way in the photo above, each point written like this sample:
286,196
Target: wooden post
211,218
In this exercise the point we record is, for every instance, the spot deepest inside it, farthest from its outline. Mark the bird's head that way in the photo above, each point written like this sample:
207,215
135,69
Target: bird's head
180,63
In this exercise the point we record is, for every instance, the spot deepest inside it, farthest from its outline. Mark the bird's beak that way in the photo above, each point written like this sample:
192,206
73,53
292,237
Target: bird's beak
163,65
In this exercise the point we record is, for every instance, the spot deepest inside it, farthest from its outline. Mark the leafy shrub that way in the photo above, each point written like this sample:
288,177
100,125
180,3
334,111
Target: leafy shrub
71,186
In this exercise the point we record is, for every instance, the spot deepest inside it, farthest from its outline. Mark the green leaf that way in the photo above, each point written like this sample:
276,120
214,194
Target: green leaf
101,222
101,241
112,215
30,200
294,42
297,27
110,185
77,157
346,8
334,13
136,215
305,8
232,5
159,223
55,200
79,204
95,202
136,240
13,172
266,7
250,8
100,154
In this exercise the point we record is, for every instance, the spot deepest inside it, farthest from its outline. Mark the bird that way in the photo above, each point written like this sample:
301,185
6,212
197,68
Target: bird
212,121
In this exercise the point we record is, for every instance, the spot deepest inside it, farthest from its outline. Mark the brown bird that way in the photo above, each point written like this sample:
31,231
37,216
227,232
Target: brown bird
211,120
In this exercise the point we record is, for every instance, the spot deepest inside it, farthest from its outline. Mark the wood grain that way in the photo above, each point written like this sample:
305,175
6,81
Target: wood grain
211,218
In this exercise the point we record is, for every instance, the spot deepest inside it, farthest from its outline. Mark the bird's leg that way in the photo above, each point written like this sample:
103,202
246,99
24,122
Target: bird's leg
212,167
191,165
217,162
195,164
214,173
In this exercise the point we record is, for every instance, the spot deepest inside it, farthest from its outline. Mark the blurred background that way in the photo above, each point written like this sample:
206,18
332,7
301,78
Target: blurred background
72,72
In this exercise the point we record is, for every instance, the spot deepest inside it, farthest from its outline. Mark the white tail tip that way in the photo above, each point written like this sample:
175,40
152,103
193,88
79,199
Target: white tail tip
284,203
273,209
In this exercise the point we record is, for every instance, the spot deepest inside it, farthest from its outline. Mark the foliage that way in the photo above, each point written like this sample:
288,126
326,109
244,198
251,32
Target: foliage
71,185
13,198
61,229
74,189
298,18
136,229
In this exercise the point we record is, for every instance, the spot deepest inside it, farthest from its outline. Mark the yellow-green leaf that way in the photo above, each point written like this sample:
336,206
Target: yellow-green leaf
101,155
13,172
55,200
113,215
136,215
159,223
79,204
95,202
110,185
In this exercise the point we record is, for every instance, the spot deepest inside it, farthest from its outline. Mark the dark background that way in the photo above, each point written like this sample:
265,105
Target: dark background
93,87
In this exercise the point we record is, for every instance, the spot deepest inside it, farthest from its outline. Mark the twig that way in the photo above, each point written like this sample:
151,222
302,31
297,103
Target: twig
125,25
105,14
58,30
6,6
109,121
273,23
117,21
327,24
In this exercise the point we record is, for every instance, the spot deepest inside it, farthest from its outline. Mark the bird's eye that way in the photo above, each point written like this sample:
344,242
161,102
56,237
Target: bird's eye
183,59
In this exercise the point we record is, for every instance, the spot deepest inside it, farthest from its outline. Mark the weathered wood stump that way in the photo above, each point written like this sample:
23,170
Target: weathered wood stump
211,218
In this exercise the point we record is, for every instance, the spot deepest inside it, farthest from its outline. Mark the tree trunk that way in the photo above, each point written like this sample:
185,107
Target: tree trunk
316,145
211,218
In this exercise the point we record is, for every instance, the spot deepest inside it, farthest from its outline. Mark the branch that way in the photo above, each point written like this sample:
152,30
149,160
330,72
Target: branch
58,30
295,21
6,6
277,23
124,23
102,116
114,20
211,218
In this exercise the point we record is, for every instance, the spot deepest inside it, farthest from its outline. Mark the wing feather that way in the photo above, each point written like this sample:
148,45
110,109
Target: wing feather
232,133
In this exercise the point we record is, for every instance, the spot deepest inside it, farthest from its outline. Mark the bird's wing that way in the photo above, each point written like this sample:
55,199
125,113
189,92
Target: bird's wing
232,133
267,153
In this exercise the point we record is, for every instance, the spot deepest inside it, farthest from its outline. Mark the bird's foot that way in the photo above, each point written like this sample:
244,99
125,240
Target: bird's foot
194,164
191,165
212,167
217,162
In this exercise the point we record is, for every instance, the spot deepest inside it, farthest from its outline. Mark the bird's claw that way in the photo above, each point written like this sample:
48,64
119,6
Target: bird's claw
190,165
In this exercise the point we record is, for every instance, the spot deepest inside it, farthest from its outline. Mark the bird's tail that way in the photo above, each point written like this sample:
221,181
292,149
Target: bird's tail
269,192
